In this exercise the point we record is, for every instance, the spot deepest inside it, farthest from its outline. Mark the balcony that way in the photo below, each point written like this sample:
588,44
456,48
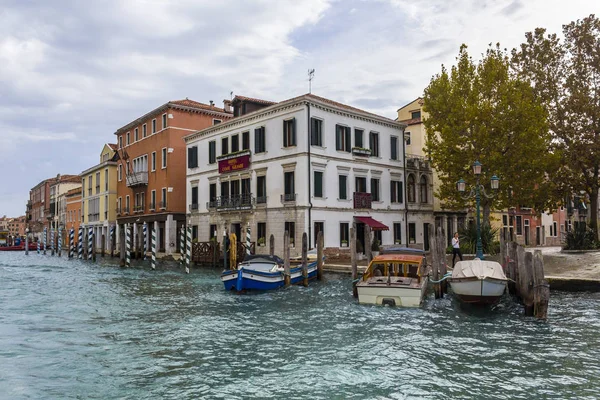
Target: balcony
152,206
362,200
261,200
138,209
237,202
360,151
125,210
417,162
118,210
194,207
137,179
162,205
287,197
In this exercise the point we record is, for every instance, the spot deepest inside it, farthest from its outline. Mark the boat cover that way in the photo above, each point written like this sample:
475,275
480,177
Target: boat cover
478,268
257,258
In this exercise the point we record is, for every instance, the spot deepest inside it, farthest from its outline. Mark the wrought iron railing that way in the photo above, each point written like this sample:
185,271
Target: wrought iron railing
137,178
288,197
237,202
362,200
194,207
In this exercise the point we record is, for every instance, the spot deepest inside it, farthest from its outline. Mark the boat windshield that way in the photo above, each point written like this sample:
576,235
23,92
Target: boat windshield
382,268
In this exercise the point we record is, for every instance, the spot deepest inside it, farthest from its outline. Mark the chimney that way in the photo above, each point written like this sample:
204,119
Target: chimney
211,103
227,105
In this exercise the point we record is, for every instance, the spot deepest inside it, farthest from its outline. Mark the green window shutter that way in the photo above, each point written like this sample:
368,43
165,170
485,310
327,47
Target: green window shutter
285,136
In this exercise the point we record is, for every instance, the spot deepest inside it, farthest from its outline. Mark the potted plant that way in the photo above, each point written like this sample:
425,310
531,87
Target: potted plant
344,243
261,241
375,247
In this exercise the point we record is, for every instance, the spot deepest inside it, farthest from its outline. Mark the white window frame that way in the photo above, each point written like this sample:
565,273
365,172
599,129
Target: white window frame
153,162
163,161
164,121
154,126
144,131
120,172
136,135
153,196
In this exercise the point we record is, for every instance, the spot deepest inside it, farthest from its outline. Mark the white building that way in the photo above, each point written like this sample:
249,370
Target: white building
263,170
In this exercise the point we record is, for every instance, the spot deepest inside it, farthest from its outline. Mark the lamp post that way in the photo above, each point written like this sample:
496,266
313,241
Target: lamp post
476,192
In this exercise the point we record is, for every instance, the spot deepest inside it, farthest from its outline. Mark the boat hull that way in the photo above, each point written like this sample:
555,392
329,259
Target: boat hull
371,292
248,279
478,290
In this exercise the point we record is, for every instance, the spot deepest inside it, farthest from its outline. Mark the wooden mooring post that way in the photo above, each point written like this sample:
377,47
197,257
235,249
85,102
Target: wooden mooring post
368,244
272,245
305,259
353,259
320,255
102,246
437,253
286,259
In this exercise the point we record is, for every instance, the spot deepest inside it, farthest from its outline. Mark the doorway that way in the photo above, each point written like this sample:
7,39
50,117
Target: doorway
426,237
237,229
537,236
360,234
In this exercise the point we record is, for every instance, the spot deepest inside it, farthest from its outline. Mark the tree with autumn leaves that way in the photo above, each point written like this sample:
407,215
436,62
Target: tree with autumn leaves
531,117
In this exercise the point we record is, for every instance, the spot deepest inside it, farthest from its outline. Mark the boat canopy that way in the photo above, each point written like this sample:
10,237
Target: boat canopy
374,224
478,268
400,250
262,258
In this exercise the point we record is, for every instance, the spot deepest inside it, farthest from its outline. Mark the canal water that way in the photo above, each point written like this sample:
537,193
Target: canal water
71,329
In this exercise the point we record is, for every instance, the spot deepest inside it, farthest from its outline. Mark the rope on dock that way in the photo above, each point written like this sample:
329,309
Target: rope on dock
448,275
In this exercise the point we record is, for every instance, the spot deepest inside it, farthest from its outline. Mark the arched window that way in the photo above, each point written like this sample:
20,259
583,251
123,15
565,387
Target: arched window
423,189
411,189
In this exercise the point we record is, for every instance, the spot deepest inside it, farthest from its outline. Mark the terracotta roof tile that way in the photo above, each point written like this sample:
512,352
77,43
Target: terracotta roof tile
112,146
259,101
412,121
195,104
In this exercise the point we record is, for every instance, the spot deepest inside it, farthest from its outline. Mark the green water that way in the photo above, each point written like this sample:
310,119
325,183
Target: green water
71,329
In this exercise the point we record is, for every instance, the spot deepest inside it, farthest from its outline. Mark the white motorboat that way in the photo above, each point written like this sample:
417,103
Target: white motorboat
478,281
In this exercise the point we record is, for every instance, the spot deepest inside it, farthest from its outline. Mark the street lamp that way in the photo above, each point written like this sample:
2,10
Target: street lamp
475,192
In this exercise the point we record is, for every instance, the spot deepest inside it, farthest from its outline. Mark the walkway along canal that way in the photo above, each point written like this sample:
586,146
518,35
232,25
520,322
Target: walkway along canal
78,329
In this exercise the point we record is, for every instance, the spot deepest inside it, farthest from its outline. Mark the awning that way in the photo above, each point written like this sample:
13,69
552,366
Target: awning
375,225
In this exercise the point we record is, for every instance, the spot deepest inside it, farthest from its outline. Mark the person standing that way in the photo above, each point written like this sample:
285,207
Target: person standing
456,248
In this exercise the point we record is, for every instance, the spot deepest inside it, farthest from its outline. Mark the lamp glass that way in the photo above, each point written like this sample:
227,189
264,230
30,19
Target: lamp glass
477,168
495,182
461,185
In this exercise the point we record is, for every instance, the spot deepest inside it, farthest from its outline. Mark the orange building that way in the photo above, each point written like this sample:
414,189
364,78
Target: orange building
151,172
73,212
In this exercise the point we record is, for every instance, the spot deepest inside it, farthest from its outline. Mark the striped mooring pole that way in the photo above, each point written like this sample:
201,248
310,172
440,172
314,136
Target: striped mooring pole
71,242
52,241
182,244
45,238
248,243
80,243
145,231
153,262
112,239
188,247
90,242
128,246
38,245
27,244
59,250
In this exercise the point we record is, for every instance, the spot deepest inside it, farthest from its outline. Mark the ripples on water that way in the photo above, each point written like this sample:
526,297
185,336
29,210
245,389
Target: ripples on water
79,330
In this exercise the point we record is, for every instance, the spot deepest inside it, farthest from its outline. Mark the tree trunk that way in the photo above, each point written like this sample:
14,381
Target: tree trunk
594,212
485,220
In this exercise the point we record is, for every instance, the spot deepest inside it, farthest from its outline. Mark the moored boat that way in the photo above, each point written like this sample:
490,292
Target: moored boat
263,272
478,281
394,279
21,247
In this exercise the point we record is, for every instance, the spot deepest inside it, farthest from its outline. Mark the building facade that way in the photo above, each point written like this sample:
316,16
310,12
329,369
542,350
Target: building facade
42,206
73,210
307,164
58,204
151,168
99,195
16,226
449,220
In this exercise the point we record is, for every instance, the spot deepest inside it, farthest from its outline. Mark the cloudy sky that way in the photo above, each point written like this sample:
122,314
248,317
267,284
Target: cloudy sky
72,72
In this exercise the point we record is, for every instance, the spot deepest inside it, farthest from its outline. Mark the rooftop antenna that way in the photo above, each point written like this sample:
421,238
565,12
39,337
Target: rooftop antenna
311,74
231,95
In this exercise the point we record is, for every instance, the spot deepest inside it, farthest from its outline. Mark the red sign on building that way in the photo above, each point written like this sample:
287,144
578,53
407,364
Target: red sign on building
234,164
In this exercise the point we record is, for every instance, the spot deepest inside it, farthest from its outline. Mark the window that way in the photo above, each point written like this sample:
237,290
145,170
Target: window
119,201
412,233
261,189
153,159
195,232
397,233
289,132
358,137
344,234
319,227
246,140
394,147
375,189
154,125
519,225
504,220
224,146
290,190
224,190
121,142
411,189
164,121
213,232
259,140
407,138
342,138
360,184
164,158
127,136
127,204
97,182
164,198
144,133
261,233
193,157
374,144
153,200
423,189
212,194
106,179
555,231
291,228
551,230
415,114
396,191
343,187
235,143
246,188
194,198
136,135
90,185
216,121
318,184
83,182
316,132
212,152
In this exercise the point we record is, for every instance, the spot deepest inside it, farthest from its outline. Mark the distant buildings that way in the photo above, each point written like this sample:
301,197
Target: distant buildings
43,207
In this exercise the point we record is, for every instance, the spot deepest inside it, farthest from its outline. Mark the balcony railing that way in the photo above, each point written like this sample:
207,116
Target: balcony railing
362,200
118,211
163,205
361,151
261,200
288,197
237,202
194,207
138,209
137,178
152,206
125,210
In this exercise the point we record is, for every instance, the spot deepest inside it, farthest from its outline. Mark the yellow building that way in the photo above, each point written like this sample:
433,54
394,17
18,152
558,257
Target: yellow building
412,114
99,195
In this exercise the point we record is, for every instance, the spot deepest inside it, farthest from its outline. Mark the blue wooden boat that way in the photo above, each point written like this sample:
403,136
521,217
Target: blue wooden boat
263,272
